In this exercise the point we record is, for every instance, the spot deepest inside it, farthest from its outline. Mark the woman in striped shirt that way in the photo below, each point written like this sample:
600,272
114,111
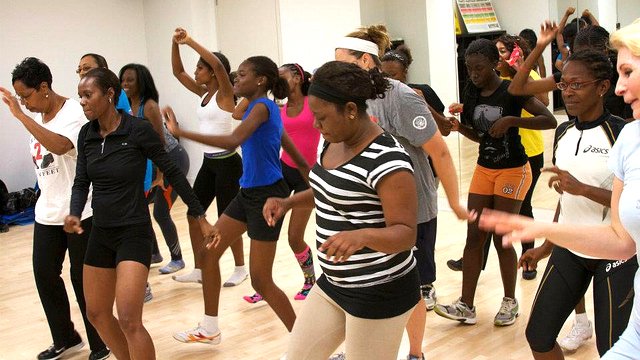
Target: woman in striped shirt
365,200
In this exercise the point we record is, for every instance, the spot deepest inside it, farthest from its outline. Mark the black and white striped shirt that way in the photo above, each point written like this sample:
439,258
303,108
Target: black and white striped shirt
346,199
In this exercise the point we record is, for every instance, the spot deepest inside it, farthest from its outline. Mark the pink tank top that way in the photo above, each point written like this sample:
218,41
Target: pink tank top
301,131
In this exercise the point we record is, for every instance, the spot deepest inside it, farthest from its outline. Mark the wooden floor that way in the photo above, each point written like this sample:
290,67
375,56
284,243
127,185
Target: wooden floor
252,331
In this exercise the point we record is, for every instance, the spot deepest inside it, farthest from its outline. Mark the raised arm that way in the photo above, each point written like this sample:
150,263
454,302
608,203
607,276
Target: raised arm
224,96
601,241
53,142
178,69
522,83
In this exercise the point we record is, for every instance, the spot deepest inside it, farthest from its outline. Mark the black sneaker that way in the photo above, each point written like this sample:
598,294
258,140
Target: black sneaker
100,354
455,265
529,274
52,353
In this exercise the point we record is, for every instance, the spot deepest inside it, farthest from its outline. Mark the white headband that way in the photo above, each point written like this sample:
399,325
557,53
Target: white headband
357,44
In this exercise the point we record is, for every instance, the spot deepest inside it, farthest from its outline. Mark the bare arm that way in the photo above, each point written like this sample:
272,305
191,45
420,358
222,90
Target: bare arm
224,96
601,241
152,113
53,142
178,71
290,148
562,181
522,84
398,196
259,114
239,110
442,162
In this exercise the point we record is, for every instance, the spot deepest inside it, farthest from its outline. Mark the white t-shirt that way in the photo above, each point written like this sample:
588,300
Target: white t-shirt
55,173
625,164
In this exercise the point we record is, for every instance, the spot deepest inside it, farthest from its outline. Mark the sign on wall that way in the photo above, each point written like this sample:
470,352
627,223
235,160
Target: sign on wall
478,16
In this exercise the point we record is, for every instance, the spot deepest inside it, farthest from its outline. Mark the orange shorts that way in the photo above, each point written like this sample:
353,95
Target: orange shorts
511,183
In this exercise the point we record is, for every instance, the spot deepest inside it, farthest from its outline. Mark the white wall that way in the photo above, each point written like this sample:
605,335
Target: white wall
628,11
59,34
161,17
442,50
307,37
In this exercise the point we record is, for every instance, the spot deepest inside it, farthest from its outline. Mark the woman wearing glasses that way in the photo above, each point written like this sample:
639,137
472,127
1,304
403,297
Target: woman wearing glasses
54,133
585,199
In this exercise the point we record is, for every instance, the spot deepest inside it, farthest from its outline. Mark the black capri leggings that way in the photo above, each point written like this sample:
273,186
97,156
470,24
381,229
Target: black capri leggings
218,177
564,283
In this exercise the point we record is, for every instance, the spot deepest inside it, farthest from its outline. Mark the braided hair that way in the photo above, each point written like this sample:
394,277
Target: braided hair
305,76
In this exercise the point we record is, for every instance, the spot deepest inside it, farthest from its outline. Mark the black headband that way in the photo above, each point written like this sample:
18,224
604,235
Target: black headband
333,96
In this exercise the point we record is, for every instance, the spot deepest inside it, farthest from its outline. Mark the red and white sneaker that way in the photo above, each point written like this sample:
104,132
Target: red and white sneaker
198,335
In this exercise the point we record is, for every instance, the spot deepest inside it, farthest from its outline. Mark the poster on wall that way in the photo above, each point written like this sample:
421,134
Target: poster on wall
478,16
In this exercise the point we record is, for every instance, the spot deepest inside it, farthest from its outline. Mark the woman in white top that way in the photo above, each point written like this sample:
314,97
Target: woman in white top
221,169
54,133
621,238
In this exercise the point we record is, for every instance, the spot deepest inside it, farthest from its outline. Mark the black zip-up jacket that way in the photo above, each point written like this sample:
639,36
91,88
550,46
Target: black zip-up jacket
115,166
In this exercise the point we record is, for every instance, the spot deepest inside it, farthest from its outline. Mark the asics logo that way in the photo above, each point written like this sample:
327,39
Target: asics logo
596,150
614,264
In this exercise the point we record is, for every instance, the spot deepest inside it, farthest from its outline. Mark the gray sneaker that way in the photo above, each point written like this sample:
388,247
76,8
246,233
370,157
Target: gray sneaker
458,311
338,356
429,295
147,293
509,311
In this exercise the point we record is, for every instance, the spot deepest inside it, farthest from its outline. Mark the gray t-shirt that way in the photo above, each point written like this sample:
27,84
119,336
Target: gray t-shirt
405,115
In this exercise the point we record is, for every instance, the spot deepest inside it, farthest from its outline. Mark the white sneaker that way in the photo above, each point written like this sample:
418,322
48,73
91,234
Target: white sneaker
429,295
198,335
338,356
509,311
578,335
239,275
192,277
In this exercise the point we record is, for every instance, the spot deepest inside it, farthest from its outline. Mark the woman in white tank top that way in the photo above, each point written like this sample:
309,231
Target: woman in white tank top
221,169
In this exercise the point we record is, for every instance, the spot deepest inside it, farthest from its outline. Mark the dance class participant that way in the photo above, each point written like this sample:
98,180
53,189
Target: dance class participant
219,175
298,123
54,134
419,136
366,201
112,150
502,176
620,238
92,61
261,135
140,88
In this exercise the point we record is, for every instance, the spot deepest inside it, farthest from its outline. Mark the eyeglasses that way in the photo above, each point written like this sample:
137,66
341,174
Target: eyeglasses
574,85
84,69
24,98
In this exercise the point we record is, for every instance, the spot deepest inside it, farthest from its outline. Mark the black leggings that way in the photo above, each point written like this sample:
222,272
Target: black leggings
425,253
564,283
50,244
162,203
218,178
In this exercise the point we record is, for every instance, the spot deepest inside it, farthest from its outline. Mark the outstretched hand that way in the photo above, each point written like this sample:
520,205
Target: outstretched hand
12,102
513,228
563,181
548,31
171,121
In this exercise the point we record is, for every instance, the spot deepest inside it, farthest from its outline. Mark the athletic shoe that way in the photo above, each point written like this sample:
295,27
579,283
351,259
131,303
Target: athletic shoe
429,295
198,335
578,335
458,311
302,294
192,277
52,353
455,265
411,357
100,354
509,311
339,356
147,293
156,258
172,266
253,298
236,278
529,274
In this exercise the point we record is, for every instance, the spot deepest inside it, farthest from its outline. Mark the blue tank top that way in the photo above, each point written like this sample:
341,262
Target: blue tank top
261,151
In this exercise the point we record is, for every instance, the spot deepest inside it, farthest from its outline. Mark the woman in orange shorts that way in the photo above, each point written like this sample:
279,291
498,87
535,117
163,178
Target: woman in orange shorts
502,176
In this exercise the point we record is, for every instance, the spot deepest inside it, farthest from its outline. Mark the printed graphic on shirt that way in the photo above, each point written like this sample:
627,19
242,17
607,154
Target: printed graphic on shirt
493,149
420,122
43,160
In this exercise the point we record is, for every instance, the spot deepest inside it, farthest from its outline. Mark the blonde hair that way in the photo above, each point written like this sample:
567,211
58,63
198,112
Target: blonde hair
377,34
628,37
